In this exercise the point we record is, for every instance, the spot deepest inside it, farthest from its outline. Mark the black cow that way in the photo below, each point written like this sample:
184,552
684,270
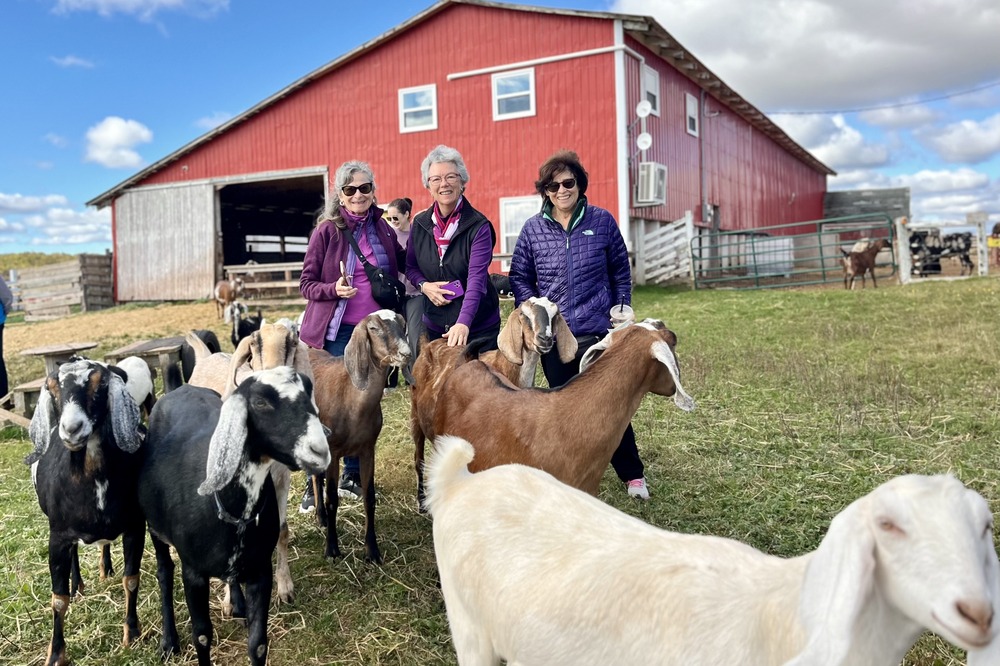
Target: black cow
928,247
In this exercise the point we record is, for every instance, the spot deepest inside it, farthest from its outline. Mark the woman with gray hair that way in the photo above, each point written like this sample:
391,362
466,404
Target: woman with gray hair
448,256
337,291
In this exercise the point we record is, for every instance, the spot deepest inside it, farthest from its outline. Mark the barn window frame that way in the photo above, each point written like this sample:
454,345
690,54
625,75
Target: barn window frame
514,212
410,104
499,96
691,118
651,86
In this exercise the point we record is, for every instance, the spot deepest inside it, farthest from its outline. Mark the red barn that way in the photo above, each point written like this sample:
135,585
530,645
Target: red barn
249,188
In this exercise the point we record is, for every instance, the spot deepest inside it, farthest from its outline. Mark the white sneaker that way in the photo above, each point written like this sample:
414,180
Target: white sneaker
637,488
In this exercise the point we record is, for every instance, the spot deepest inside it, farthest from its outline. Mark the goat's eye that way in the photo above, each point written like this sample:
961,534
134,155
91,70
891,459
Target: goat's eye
260,403
888,525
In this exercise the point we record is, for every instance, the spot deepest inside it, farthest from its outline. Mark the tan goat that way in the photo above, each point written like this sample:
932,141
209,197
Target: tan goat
857,263
571,431
271,346
530,331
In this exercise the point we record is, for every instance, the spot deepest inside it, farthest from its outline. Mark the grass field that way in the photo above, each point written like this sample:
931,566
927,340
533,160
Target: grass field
807,399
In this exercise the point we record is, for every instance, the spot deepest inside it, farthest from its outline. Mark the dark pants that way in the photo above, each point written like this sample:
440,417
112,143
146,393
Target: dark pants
414,327
4,386
625,460
337,348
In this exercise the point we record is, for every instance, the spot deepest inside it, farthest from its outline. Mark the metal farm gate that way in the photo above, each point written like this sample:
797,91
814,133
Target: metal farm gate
765,258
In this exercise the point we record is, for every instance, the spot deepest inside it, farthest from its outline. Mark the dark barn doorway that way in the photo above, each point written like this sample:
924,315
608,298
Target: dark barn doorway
268,221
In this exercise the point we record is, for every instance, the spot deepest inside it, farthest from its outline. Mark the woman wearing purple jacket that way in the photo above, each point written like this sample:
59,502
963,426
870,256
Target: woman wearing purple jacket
573,254
337,291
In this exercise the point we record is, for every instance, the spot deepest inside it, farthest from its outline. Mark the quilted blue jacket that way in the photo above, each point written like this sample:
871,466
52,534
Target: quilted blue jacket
583,270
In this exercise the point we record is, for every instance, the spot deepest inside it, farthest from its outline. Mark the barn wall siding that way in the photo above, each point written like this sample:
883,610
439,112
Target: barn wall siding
173,259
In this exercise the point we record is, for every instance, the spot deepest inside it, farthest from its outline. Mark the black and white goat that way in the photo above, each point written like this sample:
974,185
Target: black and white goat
205,488
86,432
244,325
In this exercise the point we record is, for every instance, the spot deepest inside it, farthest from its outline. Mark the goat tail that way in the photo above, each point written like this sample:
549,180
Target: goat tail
449,464
474,348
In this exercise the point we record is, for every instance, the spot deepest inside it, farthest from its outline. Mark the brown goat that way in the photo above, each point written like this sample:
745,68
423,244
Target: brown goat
227,291
857,263
530,331
571,431
348,393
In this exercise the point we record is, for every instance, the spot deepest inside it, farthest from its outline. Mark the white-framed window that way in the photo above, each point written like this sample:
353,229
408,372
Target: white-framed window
651,84
418,109
691,108
514,94
514,212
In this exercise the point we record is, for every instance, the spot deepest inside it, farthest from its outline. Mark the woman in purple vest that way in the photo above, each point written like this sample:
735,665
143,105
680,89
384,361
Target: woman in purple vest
573,254
452,243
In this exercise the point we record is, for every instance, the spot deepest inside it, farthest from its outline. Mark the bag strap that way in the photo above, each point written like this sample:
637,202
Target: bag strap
357,250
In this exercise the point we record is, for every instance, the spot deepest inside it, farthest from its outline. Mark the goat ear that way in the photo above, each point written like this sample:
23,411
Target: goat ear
357,357
839,578
226,448
511,339
239,357
594,352
42,423
302,364
665,355
124,414
565,340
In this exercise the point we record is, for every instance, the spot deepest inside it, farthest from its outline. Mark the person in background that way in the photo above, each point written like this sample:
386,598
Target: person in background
452,241
337,291
397,214
573,254
6,302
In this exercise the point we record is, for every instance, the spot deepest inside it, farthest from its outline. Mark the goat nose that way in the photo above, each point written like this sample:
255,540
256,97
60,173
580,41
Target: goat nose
979,613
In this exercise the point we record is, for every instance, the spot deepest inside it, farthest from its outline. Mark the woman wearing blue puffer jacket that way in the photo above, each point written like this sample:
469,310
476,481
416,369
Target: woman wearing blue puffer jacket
573,254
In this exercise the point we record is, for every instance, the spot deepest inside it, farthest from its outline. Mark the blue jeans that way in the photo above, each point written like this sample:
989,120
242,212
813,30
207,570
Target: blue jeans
336,348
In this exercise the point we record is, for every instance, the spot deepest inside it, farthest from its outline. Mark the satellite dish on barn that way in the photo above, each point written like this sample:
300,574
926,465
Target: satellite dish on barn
643,108
644,141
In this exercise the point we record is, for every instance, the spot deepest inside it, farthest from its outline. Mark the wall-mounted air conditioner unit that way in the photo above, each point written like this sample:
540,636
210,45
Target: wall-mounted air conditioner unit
651,188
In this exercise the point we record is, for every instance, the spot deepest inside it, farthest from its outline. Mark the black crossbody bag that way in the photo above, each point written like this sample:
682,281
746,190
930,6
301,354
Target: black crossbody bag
387,290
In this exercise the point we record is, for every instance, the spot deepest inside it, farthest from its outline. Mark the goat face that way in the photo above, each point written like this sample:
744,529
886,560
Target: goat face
81,398
656,341
275,411
378,341
927,543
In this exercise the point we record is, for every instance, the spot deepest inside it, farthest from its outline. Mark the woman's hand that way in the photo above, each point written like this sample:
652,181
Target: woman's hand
345,290
457,335
436,295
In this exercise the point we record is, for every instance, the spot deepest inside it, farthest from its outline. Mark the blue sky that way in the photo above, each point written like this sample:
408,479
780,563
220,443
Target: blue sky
886,92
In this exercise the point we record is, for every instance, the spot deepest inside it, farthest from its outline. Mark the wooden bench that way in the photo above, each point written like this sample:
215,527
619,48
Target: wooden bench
26,396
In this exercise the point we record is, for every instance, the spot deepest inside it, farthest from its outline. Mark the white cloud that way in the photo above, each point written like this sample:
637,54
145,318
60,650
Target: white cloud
967,141
18,203
835,54
72,61
833,141
942,181
56,140
213,121
899,117
111,142
10,226
142,9
65,226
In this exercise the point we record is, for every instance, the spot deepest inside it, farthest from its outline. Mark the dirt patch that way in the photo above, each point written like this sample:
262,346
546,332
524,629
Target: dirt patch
115,327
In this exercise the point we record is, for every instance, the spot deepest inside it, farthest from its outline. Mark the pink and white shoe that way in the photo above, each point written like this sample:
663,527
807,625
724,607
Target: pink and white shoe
637,488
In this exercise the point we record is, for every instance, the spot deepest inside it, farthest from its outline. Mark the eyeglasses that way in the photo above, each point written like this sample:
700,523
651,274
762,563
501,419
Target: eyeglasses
364,188
553,187
450,178
391,218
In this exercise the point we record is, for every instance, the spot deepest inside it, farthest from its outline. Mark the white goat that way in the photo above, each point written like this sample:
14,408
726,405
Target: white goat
536,572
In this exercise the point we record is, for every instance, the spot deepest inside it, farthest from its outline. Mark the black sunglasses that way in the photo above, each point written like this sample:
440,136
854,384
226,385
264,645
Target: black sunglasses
365,188
553,187
391,218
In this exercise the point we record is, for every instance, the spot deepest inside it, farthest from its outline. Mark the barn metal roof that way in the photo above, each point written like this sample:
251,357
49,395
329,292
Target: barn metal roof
644,29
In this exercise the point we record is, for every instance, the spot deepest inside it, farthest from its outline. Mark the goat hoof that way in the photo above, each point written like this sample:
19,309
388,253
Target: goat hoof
375,558
286,598
131,635
169,646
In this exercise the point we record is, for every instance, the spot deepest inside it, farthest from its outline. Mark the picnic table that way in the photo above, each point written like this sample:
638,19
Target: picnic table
56,355
159,353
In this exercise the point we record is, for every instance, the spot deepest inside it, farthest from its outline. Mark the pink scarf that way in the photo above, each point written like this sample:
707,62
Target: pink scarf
444,229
